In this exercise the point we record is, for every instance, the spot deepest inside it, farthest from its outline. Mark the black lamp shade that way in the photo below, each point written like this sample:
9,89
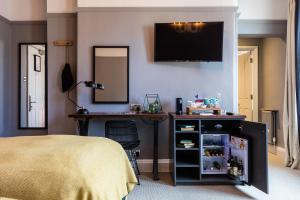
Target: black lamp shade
89,84
94,85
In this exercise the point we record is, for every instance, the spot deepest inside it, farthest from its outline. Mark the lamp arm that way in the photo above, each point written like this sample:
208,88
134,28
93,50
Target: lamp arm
70,90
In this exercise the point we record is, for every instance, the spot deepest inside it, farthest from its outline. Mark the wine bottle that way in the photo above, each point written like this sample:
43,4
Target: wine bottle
229,165
216,165
235,166
241,168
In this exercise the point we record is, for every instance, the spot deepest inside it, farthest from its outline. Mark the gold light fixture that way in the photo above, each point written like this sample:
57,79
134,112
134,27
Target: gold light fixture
192,27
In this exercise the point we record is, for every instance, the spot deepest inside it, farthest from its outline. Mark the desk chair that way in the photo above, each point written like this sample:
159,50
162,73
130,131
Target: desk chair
125,132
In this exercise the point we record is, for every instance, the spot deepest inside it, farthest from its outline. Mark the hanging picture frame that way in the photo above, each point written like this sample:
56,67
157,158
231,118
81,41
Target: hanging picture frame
37,63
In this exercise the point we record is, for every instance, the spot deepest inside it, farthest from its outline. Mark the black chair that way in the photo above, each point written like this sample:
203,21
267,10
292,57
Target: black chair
125,132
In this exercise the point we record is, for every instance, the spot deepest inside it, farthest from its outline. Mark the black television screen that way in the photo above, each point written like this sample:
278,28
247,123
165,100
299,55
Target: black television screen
189,41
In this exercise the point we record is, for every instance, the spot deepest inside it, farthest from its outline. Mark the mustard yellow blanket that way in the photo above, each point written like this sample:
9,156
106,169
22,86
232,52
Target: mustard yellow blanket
61,167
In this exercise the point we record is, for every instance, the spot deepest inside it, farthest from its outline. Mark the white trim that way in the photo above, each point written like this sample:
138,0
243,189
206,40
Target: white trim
156,9
235,67
164,165
157,3
255,50
278,151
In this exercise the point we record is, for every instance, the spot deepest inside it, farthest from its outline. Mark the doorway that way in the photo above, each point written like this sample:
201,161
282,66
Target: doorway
248,82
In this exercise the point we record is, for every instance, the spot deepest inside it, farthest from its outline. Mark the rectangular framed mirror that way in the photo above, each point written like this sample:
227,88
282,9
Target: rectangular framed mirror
111,68
33,86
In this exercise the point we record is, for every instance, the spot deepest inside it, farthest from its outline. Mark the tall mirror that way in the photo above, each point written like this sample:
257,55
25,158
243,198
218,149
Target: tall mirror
111,68
32,86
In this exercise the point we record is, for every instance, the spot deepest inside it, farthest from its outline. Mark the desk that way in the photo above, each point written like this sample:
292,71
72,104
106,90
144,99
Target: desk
83,125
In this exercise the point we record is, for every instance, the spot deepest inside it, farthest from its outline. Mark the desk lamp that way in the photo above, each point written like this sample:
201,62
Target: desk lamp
89,84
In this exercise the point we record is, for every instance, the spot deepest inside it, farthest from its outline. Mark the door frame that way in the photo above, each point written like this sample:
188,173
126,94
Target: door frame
254,50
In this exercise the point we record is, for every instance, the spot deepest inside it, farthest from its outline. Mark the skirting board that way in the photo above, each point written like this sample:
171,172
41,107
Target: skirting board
164,165
279,151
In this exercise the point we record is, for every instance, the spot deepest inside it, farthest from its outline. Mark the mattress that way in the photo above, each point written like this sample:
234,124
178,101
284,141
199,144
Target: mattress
64,167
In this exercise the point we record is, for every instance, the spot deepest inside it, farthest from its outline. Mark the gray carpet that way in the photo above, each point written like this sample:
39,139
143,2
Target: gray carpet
284,184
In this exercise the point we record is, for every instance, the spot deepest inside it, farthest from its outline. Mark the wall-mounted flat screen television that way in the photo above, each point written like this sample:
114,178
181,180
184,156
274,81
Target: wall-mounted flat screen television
189,41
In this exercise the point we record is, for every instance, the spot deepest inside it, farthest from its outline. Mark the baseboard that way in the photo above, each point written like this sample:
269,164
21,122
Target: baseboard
164,165
279,151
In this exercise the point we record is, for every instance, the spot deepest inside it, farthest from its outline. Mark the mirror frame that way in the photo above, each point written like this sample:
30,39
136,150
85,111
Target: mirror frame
94,76
46,87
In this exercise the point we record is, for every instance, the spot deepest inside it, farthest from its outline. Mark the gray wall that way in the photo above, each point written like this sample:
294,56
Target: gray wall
21,32
262,28
5,47
169,80
271,72
274,53
60,27
11,34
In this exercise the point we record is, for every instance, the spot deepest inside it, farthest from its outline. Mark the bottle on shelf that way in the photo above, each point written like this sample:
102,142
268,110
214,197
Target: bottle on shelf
241,168
211,152
235,166
229,164
216,165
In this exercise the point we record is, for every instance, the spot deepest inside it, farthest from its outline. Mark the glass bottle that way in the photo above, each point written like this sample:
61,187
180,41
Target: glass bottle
235,166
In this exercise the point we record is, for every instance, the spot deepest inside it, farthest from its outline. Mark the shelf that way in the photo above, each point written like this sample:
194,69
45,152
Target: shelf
187,149
187,180
193,125
213,157
238,149
187,158
182,163
218,179
194,138
213,146
186,164
214,132
222,171
187,132
187,174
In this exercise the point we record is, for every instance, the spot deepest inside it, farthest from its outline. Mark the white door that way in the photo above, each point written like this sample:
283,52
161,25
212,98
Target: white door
36,86
245,90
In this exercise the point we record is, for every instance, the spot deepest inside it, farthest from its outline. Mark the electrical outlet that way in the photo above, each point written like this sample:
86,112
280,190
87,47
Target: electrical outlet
137,152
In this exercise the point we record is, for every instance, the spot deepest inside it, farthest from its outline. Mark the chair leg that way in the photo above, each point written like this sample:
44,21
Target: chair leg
134,166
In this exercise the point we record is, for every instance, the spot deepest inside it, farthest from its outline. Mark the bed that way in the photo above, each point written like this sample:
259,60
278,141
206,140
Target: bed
64,167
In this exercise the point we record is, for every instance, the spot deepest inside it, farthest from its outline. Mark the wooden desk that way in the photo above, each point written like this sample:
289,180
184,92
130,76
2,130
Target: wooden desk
83,124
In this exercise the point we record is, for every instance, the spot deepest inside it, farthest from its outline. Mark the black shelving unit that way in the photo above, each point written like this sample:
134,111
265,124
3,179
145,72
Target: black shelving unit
188,163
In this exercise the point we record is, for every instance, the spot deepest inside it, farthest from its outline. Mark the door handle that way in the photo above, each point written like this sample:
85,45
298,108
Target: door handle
30,104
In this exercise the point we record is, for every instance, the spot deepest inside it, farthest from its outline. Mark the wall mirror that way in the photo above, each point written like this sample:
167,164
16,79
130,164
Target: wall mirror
111,68
32,86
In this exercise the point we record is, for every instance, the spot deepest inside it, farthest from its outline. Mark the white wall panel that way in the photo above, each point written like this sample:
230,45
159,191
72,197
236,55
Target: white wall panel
23,10
61,6
263,9
27,10
156,3
4,8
